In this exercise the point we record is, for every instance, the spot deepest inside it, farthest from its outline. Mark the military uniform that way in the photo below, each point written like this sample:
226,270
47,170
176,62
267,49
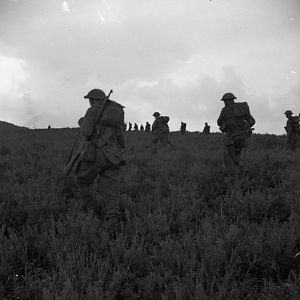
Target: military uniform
183,127
160,130
206,129
234,118
147,127
105,134
292,130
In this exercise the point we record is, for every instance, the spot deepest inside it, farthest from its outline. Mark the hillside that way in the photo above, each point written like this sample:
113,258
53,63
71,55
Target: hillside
192,230
5,126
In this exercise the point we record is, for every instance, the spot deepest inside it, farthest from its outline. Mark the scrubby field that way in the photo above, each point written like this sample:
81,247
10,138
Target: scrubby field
192,232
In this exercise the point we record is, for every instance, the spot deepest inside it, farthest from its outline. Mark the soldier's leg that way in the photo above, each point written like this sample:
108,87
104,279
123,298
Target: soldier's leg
154,139
84,178
228,154
111,188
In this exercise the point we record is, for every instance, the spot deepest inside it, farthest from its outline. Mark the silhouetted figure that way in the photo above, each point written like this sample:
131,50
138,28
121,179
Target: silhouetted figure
236,122
129,126
148,127
160,130
206,129
142,128
136,128
49,127
183,127
105,159
292,129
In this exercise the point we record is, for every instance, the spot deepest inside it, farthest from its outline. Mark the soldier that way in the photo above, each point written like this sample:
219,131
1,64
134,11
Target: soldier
102,154
235,121
147,127
183,127
206,129
293,130
49,127
136,127
142,128
160,129
129,126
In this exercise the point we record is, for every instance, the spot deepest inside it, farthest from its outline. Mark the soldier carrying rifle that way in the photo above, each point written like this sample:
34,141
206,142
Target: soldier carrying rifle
100,153
235,121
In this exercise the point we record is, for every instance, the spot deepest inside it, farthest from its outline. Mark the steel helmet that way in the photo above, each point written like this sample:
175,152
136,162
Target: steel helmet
228,96
95,94
288,112
156,114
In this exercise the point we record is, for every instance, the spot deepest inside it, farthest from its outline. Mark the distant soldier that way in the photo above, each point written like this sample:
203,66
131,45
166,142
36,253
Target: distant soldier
183,127
206,129
147,127
129,126
235,121
142,128
49,127
102,154
160,129
292,129
136,127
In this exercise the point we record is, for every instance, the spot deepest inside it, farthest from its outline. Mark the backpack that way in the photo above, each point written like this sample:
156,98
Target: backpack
164,119
113,114
296,123
241,109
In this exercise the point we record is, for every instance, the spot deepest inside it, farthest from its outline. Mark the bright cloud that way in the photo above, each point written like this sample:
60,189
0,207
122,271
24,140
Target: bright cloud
65,7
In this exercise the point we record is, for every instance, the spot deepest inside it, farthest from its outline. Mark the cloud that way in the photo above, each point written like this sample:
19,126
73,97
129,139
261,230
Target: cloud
174,56
65,7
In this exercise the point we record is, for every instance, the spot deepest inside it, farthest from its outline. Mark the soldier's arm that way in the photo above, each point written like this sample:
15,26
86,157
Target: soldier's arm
154,125
220,119
88,124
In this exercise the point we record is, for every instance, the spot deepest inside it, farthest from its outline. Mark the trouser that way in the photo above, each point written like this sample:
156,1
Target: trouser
161,137
293,143
110,184
232,155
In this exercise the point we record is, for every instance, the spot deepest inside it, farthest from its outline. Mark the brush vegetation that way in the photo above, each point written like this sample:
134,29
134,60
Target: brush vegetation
191,231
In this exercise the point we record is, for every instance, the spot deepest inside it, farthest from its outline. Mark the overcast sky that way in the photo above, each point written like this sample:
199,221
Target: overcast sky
177,57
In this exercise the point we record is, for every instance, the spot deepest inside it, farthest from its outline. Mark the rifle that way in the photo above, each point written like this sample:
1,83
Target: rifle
229,139
74,160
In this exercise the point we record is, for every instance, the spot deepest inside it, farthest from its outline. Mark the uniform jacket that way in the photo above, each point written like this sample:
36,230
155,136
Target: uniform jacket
107,137
158,127
230,122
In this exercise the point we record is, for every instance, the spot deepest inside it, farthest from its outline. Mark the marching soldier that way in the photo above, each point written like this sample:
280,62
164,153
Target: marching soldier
141,128
136,127
292,129
183,127
101,154
235,121
206,129
147,127
160,130
129,126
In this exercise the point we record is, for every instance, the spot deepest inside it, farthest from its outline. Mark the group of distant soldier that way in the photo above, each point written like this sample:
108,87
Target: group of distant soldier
147,127
102,146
